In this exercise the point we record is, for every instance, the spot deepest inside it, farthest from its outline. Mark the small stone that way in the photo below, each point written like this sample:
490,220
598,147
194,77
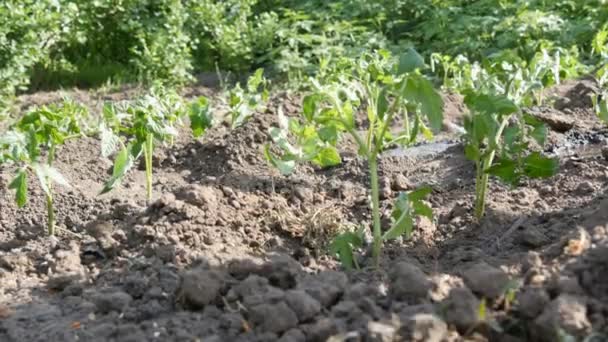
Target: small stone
112,301
165,200
235,204
566,312
408,282
304,194
486,280
424,328
461,308
302,304
380,332
585,188
199,195
200,287
401,183
531,301
275,318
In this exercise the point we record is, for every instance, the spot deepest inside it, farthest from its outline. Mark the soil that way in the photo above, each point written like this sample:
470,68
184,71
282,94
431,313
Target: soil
229,250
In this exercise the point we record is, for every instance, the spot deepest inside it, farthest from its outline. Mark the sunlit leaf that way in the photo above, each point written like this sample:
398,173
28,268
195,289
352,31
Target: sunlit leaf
19,184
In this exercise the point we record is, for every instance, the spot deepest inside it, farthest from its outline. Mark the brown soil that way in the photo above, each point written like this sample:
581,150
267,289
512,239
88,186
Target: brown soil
229,250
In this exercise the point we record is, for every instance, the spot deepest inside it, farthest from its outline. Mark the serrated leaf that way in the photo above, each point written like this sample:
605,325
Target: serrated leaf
343,246
490,104
109,140
409,61
200,116
539,133
19,184
48,175
506,170
309,106
420,193
421,209
538,166
420,91
327,156
472,152
328,134
122,163
285,167
382,104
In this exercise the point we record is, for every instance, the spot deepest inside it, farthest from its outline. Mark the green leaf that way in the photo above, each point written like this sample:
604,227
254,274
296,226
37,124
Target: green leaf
419,91
506,170
601,108
420,193
286,167
19,184
309,106
421,209
343,246
122,164
539,133
490,104
471,151
538,166
200,116
409,61
47,175
401,215
382,104
109,140
327,156
328,134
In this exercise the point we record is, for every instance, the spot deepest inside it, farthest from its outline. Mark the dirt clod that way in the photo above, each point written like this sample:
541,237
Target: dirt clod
461,308
408,282
486,280
111,301
200,287
275,318
565,312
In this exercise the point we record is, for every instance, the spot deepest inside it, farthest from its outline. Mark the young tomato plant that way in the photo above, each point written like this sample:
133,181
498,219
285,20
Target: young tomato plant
500,148
384,88
137,128
31,144
600,100
243,102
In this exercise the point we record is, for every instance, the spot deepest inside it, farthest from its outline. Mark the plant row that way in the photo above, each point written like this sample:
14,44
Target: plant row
380,100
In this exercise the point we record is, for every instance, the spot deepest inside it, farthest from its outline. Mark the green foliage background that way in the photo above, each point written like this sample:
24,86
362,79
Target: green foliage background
53,43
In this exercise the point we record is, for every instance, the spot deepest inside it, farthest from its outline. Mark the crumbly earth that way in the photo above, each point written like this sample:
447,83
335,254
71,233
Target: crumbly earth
229,250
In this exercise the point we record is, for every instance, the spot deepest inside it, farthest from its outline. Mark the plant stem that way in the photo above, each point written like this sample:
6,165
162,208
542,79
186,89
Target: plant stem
50,213
481,186
148,148
377,233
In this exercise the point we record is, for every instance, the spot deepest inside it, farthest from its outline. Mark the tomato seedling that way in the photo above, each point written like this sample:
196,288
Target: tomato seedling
137,128
243,103
31,144
502,149
384,88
